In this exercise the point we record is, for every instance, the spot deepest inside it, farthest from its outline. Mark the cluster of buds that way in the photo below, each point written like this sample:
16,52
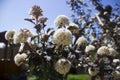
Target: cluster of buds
35,12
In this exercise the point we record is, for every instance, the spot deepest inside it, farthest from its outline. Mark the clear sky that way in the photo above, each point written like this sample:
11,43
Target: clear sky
13,12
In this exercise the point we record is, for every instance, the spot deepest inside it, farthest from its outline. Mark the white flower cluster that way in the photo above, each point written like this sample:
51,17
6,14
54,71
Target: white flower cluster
103,50
89,48
20,59
113,52
61,20
74,28
9,35
107,51
81,41
62,37
93,72
63,66
18,36
22,36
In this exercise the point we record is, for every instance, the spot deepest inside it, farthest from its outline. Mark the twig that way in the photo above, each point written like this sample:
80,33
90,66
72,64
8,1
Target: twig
98,18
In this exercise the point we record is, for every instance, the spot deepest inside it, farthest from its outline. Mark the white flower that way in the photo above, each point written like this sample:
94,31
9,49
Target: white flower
61,20
81,41
93,72
20,59
63,66
89,48
22,35
9,35
74,28
116,60
103,51
113,52
116,73
62,37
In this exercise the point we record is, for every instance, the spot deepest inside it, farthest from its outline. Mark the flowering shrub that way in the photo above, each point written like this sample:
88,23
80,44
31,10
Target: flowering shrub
53,54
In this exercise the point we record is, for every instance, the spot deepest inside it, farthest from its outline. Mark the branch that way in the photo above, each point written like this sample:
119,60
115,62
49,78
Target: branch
30,20
98,18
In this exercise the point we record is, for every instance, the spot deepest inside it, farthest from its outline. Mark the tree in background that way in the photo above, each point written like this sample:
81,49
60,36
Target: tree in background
98,22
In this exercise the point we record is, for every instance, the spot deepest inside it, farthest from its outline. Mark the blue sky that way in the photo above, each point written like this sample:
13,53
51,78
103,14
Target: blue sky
13,12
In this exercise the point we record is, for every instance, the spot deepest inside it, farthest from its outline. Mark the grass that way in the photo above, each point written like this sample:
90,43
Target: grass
32,78
70,77
78,77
